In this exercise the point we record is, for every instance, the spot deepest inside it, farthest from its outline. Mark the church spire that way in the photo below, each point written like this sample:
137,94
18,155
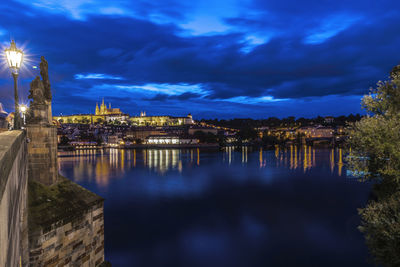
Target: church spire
102,108
97,109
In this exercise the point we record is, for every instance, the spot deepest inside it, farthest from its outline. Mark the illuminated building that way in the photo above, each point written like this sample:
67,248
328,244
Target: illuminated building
144,120
101,114
329,119
143,132
170,140
115,139
316,132
103,110
107,114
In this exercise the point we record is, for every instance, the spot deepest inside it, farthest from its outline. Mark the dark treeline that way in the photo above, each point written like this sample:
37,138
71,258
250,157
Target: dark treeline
285,122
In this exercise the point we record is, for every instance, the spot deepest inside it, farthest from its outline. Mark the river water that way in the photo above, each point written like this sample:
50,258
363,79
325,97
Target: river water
235,207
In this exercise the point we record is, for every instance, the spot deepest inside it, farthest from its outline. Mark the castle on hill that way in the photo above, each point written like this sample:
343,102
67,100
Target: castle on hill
103,110
107,114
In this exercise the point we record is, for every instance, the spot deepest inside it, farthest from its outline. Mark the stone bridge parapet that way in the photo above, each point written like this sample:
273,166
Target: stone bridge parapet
14,250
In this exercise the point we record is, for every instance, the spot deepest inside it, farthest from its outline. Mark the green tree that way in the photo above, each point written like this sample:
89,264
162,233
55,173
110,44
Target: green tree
99,141
374,155
269,140
116,122
381,227
247,134
375,139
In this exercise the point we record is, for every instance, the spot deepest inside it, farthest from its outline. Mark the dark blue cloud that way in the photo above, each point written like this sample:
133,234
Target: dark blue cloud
270,58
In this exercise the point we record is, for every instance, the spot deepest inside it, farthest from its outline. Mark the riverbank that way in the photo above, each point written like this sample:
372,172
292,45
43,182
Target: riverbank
139,146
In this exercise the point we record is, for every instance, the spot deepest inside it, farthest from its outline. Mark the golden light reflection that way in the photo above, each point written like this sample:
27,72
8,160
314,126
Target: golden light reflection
102,171
307,163
100,165
305,159
340,163
314,162
286,157
180,166
291,156
122,159
230,155
162,160
244,154
276,152
134,158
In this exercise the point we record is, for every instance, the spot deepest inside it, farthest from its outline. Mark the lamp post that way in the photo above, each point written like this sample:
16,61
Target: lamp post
23,110
14,60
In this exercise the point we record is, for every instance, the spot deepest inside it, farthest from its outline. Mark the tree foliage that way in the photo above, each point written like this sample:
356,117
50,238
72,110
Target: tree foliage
381,226
374,144
205,137
375,139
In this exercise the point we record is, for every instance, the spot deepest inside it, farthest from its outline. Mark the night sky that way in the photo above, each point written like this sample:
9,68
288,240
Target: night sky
211,58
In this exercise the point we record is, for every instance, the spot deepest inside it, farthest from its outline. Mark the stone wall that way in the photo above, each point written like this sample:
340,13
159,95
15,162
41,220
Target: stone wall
42,149
13,202
79,242
66,225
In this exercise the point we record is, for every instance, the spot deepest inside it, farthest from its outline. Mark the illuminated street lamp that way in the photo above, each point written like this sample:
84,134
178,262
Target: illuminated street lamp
23,110
14,60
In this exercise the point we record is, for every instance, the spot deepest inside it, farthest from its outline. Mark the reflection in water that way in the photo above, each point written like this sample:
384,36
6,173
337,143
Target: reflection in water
340,163
244,154
134,158
162,160
305,157
262,163
104,164
240,205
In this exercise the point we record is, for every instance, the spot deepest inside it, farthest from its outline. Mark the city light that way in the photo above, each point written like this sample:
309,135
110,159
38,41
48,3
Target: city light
23,108
14,60
14,57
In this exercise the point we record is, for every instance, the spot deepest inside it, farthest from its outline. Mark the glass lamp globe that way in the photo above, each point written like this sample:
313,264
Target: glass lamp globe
14,56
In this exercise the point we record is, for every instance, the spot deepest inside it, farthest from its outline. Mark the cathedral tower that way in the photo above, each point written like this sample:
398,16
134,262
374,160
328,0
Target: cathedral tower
103,108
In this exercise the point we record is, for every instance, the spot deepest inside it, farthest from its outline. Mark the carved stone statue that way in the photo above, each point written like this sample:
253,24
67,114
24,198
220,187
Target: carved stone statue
44,72
36,93
40,93
42,148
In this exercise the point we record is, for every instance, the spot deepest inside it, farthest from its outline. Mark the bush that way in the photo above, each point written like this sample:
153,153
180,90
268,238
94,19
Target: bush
381,227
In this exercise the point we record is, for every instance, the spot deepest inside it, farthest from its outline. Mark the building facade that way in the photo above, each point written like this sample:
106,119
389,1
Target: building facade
144,120
103,110
102,114
170,140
